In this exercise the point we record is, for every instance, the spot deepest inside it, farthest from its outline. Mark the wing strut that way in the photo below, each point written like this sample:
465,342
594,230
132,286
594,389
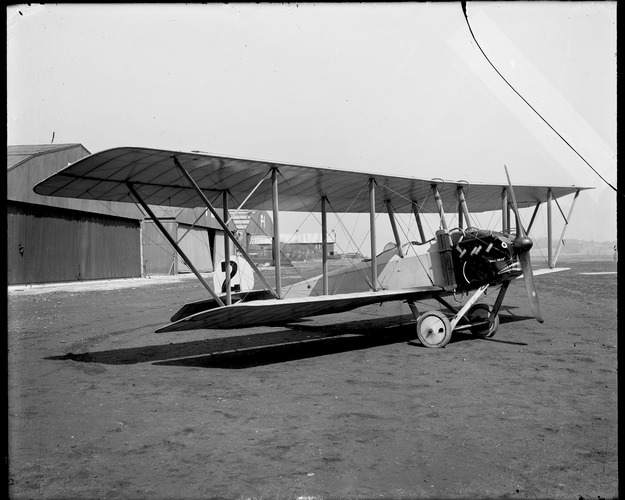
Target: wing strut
374,261
415,211
223,225
276,231
391,215
566,225
439,205
324,245
505,211
173,243
463,210
549,231
227,252
529,226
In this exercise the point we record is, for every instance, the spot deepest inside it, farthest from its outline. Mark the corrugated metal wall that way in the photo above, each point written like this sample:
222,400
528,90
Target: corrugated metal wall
159,256
48,244
195,243
53,239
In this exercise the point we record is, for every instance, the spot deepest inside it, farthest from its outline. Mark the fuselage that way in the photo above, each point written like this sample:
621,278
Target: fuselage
477,258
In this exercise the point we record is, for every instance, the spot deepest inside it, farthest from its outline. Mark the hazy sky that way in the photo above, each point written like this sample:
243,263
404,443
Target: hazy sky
398,88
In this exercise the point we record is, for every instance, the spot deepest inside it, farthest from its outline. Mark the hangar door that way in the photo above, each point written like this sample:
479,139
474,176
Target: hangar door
195,243
47,244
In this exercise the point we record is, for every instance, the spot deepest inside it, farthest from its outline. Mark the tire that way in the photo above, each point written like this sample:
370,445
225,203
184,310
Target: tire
482,312
434,329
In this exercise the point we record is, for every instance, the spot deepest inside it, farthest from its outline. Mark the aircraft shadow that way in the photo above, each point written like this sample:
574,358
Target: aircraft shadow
297,341
263,356
298,337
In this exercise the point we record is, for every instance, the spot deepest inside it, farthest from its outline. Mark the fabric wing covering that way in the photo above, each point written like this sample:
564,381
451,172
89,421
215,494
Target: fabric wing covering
273,311
104,176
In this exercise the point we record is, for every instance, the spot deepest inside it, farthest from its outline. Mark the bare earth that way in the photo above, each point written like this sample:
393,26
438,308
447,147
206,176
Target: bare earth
342,406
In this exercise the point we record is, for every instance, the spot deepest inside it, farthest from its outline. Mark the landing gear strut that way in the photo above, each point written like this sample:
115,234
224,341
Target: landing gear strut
434,328
482,313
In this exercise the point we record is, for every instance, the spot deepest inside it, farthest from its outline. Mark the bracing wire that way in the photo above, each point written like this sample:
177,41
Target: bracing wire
407,236
464,10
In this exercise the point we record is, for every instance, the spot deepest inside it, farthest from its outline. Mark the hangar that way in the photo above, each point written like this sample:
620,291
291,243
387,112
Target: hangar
53,239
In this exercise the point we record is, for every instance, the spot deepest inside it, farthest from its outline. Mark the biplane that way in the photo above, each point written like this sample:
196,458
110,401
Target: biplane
463,260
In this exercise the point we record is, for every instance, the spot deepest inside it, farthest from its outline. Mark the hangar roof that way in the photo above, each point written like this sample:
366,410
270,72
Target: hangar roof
18,154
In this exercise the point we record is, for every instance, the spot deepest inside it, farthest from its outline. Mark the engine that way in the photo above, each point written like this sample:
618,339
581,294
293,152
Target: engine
480,257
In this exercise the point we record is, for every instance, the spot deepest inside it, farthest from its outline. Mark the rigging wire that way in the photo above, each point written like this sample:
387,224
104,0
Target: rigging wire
464,11
351,263
309,215
405,232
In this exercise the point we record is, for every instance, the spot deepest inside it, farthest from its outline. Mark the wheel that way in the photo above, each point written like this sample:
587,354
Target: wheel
434,329
482,312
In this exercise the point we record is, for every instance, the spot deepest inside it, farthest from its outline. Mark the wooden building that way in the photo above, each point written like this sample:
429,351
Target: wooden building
52,239
199,235
61,239
293,246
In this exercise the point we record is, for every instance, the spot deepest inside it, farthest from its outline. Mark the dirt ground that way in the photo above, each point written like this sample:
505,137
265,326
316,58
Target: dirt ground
342,406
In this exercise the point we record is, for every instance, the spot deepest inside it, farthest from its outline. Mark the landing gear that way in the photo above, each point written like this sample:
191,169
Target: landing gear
480,313
434,329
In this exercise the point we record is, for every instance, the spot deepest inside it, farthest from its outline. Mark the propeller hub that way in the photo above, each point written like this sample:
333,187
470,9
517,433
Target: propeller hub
522,244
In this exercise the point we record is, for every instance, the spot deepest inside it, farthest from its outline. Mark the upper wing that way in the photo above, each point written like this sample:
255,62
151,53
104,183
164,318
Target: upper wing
104,176
264,312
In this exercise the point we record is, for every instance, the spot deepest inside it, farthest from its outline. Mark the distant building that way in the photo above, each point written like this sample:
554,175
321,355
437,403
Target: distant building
250,224
293,246
197,233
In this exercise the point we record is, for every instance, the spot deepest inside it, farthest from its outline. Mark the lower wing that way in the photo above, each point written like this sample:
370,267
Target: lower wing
271,311
539,272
